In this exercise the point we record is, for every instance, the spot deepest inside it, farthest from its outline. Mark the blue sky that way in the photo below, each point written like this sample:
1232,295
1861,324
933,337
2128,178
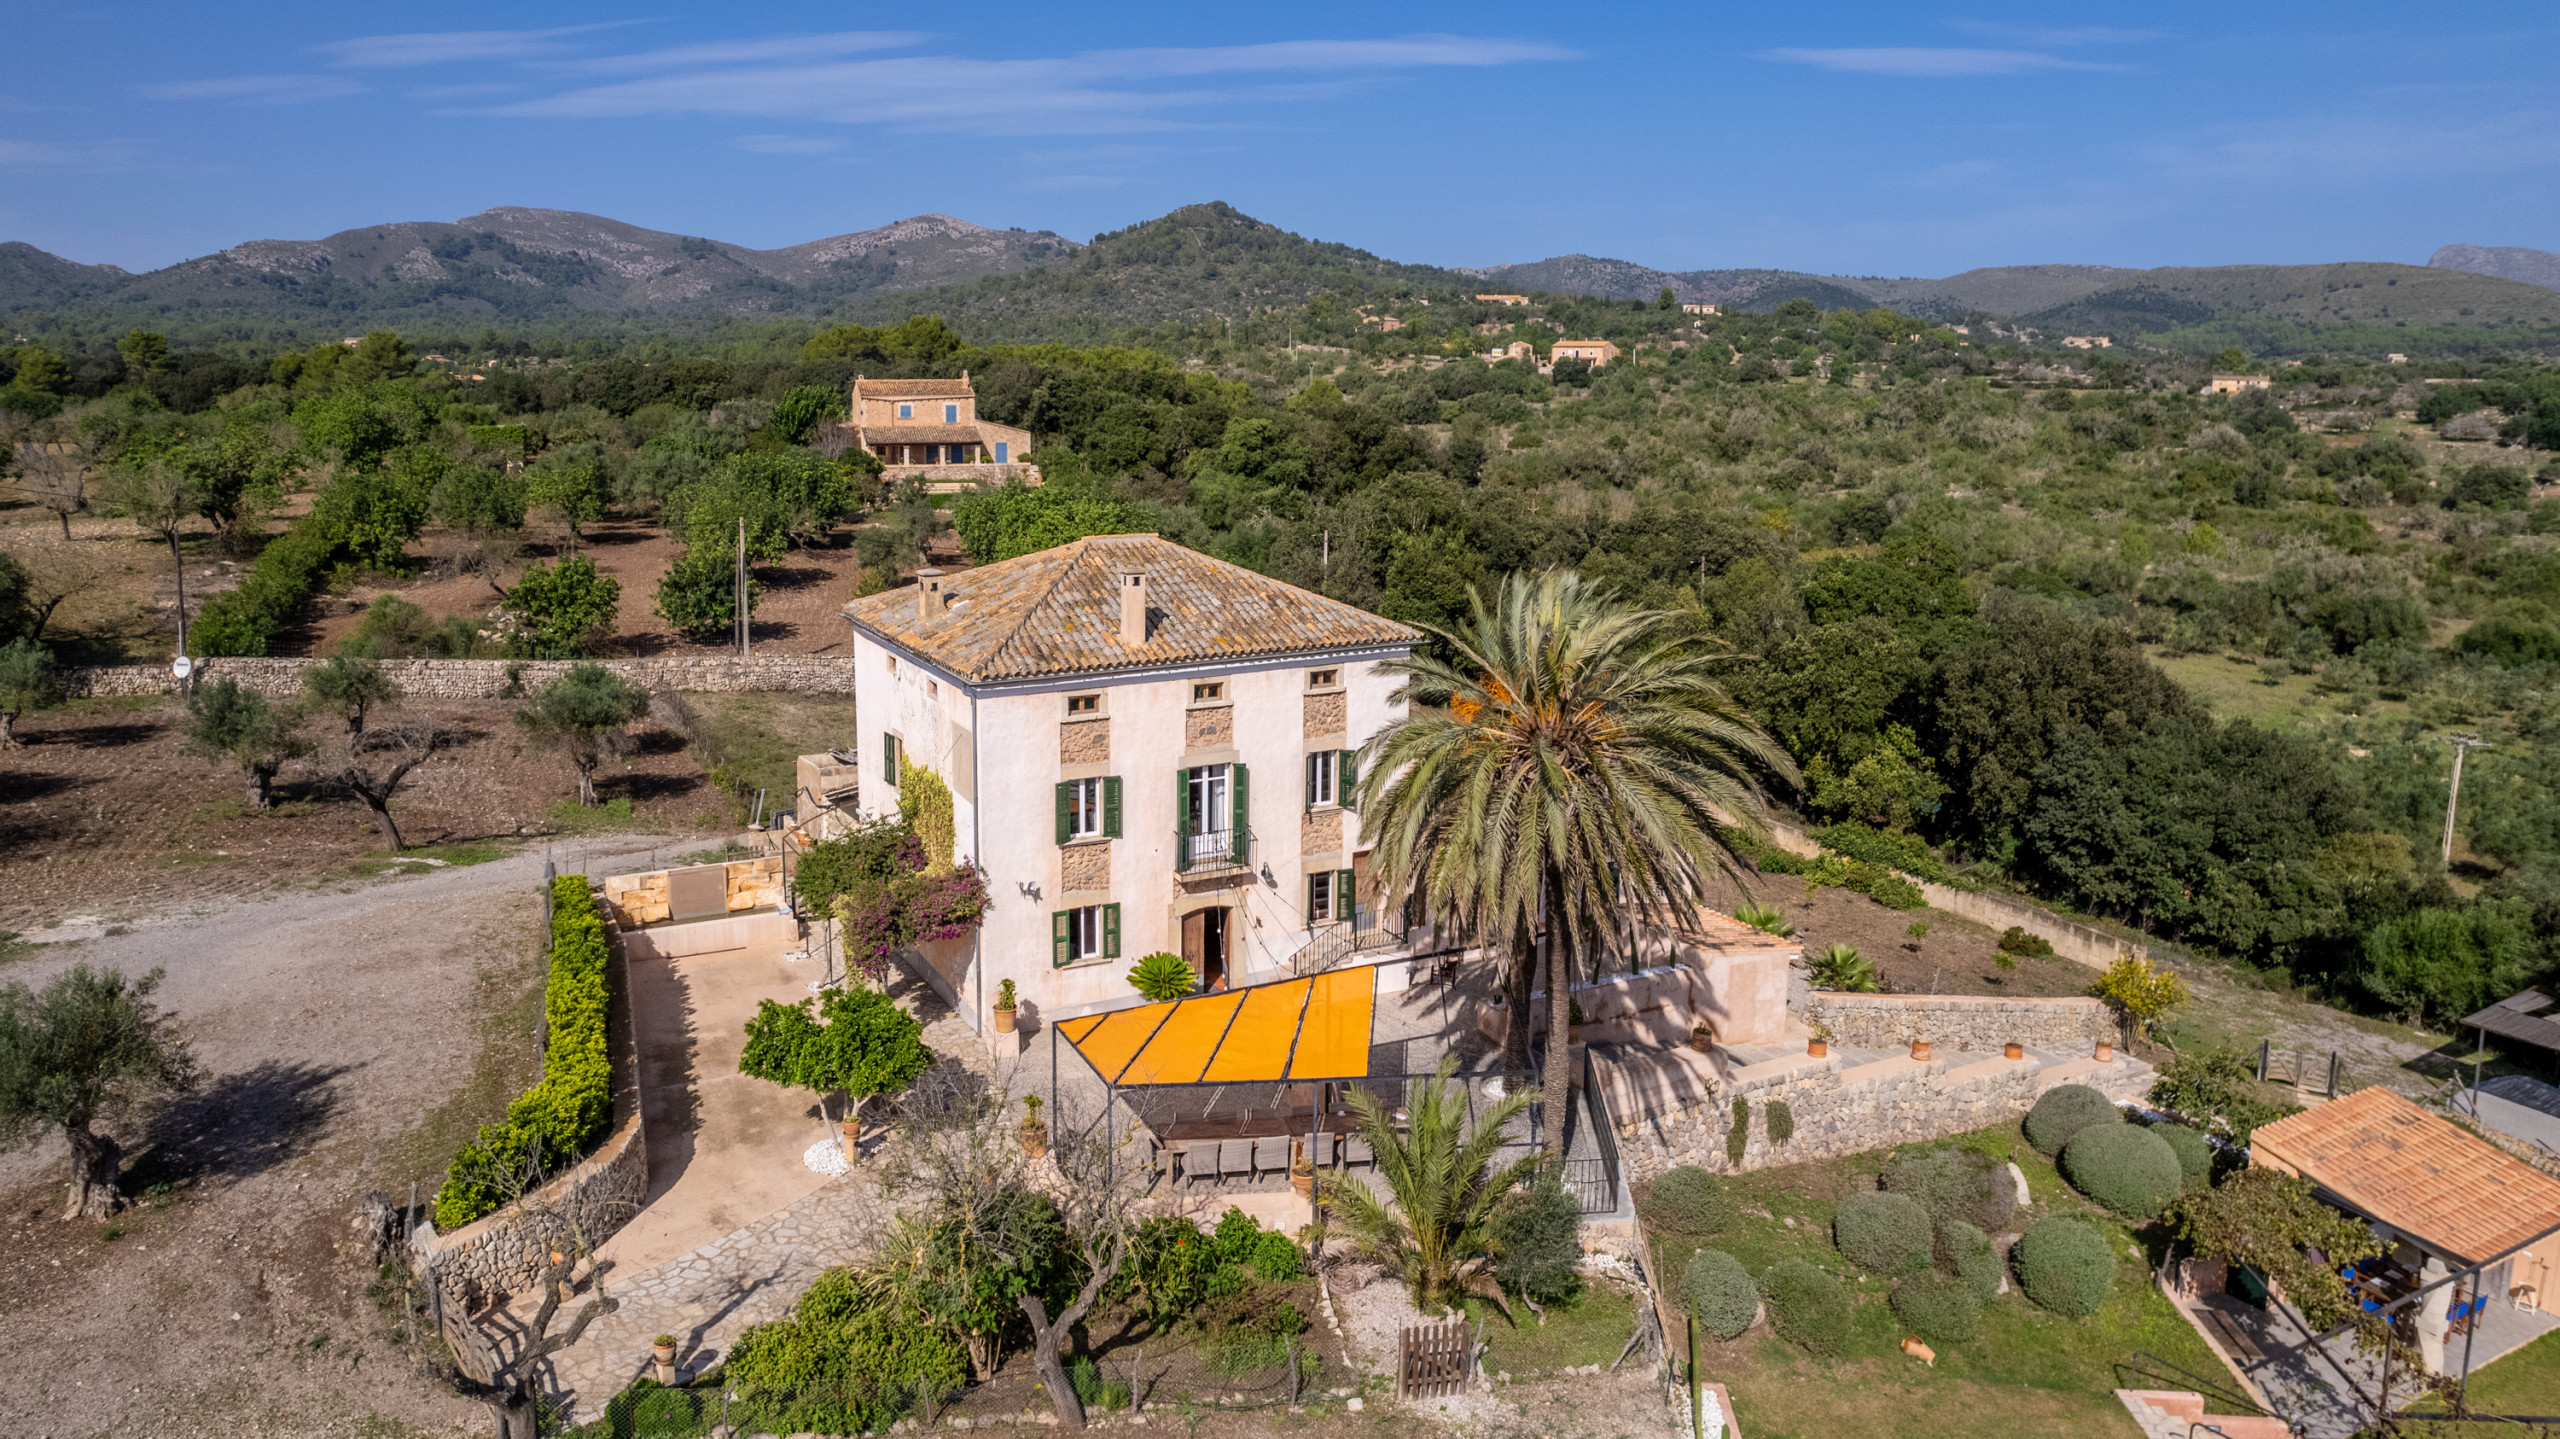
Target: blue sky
1848,138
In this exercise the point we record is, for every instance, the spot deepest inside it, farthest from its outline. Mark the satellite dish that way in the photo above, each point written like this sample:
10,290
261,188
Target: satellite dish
182,666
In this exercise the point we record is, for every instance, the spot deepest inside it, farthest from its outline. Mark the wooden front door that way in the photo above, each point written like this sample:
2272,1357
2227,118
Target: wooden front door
1204,946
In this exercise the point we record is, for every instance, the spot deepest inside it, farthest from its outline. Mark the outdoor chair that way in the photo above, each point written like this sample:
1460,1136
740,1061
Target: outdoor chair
1235,1156
1356,1153
2524,1297
1270,1156
1200,1161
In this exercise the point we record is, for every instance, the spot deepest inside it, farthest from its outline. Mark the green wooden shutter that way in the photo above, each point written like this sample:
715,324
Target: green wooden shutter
1308,901
1346,900
1058,938
1235,779
889,760
1181,821
1311,781
1111,806
1066,810
1346,773
1111,931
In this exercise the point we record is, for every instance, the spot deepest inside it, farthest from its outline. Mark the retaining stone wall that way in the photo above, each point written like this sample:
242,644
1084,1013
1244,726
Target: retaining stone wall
485,679
1978,1023
1832,1119
507,1252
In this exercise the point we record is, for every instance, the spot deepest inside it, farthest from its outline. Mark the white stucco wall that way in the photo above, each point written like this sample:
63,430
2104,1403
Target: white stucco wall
1006,742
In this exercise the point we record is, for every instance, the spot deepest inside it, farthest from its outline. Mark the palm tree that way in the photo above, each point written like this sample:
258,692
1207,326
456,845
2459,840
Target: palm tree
1444,1184
1574,763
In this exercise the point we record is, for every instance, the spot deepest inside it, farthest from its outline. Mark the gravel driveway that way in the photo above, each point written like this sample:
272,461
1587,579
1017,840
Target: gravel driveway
349,1037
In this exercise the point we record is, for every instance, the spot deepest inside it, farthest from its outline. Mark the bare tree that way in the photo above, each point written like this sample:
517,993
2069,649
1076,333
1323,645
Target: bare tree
56,475
372,764
959,1149
57,573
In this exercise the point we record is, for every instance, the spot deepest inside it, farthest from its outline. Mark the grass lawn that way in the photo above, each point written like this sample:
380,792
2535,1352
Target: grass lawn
2237,687
1593,1329
2525,1383
2029,1372
752,742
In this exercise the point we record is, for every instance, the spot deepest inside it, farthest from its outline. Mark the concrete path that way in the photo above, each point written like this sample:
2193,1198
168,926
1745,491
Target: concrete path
2517,1105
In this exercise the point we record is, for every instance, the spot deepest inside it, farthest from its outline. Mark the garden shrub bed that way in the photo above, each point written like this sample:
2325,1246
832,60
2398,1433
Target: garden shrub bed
563,1116
2027,1370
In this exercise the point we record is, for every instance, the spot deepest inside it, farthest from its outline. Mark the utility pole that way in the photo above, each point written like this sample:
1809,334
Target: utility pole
2462,744
739,586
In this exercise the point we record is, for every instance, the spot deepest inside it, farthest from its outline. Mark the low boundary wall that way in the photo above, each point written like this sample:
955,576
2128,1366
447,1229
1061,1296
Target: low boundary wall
507,1252
483,679
2072,940
1960,1021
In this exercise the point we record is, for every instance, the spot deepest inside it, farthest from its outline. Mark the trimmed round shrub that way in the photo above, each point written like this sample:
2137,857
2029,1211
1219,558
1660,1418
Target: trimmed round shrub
1689,1200
1718,1291
1885,1233
2065,1110
2065,1266
1806,1306
2195,1153
2127,1169
1537,1243
1969,1254
1938,1309
1955,1184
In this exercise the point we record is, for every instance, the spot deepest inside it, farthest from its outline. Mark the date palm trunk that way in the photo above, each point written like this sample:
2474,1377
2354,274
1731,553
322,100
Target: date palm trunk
1558,1084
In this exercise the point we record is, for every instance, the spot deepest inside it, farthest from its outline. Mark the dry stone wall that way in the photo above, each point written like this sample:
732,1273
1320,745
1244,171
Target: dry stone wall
2072,940
1980,1024
485,679
507,1252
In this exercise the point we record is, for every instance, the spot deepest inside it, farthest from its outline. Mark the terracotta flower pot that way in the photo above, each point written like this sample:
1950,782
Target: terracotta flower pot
2106,1051
1004,1021
1035,1139
851,1129
663,1353
1920,1050
1303,1181
2013,1051
1816,1048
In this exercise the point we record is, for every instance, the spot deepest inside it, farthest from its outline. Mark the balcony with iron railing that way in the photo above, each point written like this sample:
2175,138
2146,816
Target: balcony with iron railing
1210,849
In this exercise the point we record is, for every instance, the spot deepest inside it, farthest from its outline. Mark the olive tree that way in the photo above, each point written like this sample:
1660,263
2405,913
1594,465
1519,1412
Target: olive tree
87,1049
584,712
27,682
225,721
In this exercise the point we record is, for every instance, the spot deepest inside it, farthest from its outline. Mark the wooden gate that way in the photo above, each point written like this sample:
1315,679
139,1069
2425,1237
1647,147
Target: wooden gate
1434,1362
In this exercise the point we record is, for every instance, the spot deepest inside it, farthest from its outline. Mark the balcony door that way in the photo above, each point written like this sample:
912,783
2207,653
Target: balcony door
1204,947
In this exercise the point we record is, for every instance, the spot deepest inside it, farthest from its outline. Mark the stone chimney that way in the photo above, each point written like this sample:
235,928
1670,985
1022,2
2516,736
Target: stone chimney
1133,609
931,602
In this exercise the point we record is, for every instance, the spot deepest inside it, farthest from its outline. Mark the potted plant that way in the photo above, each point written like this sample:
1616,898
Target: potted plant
1302,1169
1574,1023
1163,976
2013,1050
1035,1131
1702,1037
1005,1001
1920,1050
663,1349
1818,1042
2106,1051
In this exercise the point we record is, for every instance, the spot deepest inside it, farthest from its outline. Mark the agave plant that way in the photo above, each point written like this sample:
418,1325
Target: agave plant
1843,968
1161,976
1765,917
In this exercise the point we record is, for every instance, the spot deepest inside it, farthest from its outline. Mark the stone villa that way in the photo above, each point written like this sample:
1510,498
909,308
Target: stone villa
931,429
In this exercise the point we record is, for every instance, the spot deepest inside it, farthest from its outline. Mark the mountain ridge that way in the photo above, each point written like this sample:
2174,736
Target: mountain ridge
2507,262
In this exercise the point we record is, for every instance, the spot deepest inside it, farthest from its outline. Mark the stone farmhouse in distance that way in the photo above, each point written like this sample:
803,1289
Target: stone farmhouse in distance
930,429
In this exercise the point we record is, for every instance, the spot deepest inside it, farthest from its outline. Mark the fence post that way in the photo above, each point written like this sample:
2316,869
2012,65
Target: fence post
1697,1399
2333,1074
2262,1061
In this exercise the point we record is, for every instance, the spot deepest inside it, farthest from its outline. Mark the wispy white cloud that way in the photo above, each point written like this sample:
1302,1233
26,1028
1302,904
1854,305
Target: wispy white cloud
1097,92
1928,63
737,52
444,47
256,89
61,155
789,144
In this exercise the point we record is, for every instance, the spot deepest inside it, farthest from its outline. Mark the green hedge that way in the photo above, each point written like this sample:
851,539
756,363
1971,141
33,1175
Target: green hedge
839,1365
1938,1309
1688,1200
557,1121
1718,1291
2065,1266
1886,1233
2064,1111
1806,1306
363,517
1896,849
2195,1154
2129,1170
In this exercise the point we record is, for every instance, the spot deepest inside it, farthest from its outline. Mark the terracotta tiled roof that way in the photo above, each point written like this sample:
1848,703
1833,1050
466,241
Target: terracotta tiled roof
914,389
1058,613
2415,1172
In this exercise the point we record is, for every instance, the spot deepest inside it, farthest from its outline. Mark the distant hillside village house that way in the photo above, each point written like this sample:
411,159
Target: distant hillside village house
1698,309
2236,384
1504,299
931,429
1598,352
2084,342
1147,750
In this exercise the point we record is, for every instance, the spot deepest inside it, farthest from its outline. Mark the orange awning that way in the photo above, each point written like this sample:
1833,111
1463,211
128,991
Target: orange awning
1296,1029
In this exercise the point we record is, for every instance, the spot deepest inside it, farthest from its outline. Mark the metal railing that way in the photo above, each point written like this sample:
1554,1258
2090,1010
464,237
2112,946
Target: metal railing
1209,849
1602,1195
1343,941
2222,1396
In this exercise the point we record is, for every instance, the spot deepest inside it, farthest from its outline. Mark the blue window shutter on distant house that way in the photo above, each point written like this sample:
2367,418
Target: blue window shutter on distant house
951,414
1002,447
